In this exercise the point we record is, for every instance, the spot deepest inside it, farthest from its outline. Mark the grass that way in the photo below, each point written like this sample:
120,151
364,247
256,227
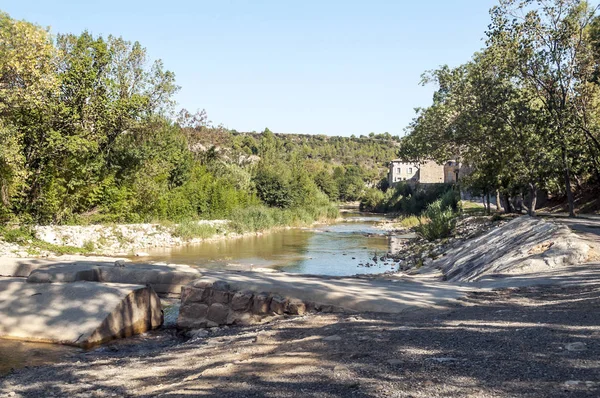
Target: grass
261,218
191,229
410,222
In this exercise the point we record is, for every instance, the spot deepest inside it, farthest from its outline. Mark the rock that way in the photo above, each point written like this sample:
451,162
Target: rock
335,337
221,296
119,263
296,307
198,333
241,301
218,313
80,313
194,295
21,267
163,279
278,304
261,303
194,311
576,346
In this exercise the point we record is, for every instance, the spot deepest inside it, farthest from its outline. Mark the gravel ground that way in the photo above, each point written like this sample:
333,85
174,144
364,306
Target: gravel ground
530,342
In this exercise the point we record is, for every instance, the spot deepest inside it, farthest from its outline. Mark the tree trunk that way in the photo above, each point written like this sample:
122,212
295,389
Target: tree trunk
567,175
489,207
532,199
498,208
507,207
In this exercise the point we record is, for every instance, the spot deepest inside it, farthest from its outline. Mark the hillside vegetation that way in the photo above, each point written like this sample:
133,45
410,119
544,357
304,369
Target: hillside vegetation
90,134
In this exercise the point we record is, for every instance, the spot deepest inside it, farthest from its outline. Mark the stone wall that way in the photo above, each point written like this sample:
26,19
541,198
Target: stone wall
431,173
206,303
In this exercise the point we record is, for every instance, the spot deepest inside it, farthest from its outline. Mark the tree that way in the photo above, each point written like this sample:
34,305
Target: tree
546,43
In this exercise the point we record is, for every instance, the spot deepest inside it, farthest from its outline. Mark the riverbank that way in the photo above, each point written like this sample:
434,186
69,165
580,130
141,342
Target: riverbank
529,342
120,240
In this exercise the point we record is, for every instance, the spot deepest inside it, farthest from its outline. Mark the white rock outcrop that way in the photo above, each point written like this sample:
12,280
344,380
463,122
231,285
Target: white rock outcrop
523,245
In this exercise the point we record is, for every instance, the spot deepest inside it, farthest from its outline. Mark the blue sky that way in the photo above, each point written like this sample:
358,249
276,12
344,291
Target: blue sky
318,67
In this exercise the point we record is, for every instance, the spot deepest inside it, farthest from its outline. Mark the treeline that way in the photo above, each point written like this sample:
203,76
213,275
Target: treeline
524,113
88,134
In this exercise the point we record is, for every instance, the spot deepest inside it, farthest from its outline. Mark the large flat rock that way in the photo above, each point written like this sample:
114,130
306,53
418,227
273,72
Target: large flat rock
80,313
21,267
164,279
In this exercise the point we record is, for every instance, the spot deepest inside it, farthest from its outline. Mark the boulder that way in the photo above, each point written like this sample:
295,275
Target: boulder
80,313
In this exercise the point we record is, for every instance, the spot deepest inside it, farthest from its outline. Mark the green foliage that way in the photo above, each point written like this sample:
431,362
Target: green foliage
524,113
190,229
410,200
440,222
373,201
87,137
410,222
261,218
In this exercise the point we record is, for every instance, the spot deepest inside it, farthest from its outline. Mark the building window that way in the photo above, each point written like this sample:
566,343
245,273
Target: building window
410,170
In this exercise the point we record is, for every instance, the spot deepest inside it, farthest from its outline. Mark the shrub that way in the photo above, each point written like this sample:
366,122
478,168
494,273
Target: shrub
373,200
441,222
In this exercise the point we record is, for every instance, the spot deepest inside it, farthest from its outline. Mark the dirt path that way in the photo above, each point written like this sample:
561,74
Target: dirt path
530,342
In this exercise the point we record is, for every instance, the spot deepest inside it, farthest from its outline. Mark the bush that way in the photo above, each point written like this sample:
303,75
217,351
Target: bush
373,200
441,222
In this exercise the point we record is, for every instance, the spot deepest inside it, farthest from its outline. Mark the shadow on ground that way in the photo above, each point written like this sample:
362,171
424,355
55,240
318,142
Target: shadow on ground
529,342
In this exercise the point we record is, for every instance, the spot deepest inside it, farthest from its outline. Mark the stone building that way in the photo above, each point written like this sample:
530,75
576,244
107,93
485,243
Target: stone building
428,172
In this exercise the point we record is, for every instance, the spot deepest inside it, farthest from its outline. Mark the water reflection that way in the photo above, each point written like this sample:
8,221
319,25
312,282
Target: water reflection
337,249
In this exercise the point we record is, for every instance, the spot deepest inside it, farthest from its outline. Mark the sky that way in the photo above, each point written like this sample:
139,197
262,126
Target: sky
335,67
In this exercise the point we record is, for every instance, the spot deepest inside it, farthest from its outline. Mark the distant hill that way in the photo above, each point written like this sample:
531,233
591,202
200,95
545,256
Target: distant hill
371,153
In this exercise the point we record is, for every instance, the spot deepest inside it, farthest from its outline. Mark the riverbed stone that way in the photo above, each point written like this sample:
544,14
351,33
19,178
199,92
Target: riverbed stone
261,303
194,295
194,310
278,304
221,296
296,307
241,301
218,313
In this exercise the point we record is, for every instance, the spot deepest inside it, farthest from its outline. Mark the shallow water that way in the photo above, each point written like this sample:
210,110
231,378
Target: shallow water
338,249
19,354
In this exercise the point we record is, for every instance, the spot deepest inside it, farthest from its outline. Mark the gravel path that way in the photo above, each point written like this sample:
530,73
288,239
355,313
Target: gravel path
528,342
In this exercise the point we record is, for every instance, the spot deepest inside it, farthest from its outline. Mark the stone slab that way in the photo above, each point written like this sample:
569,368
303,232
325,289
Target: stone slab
80,314
21,267
164,279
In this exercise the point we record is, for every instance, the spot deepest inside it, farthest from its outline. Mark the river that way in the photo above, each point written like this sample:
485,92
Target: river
341,249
